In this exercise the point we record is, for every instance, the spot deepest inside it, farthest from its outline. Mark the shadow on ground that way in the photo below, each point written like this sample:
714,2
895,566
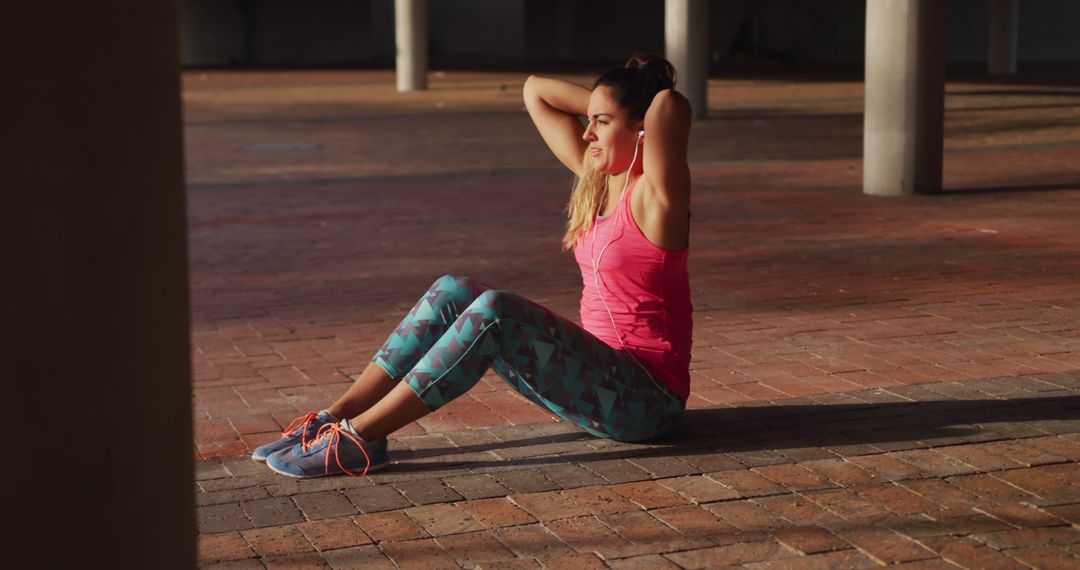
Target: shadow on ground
887,426
1013,188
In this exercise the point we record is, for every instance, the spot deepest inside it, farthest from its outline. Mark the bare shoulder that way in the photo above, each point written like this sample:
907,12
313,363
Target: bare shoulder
661,214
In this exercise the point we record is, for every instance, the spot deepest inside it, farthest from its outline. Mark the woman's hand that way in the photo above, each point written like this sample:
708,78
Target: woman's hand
555,106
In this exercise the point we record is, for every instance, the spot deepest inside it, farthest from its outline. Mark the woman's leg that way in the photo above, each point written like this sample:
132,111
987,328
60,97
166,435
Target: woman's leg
549,359
443,302
429,318
312,436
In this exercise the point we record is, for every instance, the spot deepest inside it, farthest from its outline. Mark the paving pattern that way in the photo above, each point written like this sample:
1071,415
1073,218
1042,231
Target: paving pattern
875,381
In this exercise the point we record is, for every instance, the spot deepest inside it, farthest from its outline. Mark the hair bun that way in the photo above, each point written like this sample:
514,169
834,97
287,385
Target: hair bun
635,83
655,67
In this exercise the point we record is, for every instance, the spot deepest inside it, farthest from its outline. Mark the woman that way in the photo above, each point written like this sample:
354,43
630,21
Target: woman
622,374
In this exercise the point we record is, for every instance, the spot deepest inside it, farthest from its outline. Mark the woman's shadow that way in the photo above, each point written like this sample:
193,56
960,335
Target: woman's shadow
839,428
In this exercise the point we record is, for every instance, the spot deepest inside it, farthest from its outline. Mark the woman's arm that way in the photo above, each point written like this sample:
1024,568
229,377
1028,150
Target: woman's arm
667,136
555,106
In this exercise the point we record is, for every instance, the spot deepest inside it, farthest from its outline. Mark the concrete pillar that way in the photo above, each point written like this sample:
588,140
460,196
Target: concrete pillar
410,25
686,38
95,337
1004,31
905,97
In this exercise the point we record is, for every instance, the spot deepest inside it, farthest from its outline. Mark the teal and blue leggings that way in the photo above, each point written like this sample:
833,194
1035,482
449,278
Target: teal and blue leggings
460,328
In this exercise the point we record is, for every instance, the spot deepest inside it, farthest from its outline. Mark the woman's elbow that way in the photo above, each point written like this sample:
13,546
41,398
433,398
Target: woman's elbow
669,107
672,102
528,91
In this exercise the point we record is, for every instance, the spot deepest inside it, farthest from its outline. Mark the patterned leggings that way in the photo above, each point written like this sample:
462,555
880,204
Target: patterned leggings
460,328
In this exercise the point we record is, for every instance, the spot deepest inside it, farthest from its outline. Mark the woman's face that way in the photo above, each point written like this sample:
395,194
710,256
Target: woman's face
611,133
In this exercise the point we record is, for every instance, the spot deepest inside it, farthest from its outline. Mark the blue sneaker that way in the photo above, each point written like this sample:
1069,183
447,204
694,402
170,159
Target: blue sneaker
301,430
335,450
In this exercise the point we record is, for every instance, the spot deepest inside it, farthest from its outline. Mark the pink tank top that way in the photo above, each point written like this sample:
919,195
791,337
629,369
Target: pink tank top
647,289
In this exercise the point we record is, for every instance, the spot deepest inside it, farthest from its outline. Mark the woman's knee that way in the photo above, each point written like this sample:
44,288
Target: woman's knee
489,298
500,302
450,282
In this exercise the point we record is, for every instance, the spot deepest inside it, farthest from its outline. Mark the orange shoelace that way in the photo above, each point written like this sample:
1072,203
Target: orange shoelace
300,423
332,433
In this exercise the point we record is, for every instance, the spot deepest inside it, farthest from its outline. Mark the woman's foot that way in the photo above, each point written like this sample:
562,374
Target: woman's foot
301,430
336,449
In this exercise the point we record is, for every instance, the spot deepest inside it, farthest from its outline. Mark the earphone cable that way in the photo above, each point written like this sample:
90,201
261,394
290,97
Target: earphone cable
596,259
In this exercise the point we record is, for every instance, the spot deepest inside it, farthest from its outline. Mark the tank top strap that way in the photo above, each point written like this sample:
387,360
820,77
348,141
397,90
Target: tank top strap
629,190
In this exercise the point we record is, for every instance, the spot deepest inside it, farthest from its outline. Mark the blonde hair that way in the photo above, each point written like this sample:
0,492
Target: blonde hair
590,188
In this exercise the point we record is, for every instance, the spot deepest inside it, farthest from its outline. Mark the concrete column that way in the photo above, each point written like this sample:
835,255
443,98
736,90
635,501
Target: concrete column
95,337
905,97
410,25
1004,31
686,38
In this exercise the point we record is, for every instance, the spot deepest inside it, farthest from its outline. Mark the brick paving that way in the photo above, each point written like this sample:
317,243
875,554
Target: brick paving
875,381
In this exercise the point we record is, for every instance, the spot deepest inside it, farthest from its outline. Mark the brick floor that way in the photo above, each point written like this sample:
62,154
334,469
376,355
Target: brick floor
913,515
875,381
